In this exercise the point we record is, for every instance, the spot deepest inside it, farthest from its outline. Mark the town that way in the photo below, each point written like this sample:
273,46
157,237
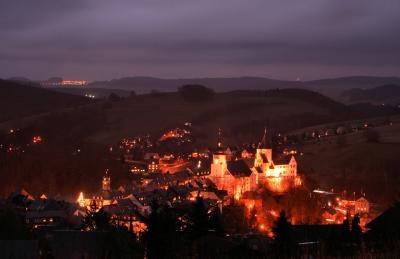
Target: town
245,189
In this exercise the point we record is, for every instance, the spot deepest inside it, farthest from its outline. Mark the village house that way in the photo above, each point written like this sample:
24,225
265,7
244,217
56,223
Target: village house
361,205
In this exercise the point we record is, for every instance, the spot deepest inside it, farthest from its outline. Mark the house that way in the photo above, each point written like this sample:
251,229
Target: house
184,176
331,216
246,154
152,165
44,218
251,199
330,132
148,156
361,205
126,216
160,179
341,130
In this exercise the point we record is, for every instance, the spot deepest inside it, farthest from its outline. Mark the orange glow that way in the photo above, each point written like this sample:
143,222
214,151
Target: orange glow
81,200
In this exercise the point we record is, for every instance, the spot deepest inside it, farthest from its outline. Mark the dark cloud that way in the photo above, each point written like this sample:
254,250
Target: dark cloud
177,39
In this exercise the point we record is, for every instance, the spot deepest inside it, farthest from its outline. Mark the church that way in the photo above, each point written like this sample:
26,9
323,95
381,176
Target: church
277,173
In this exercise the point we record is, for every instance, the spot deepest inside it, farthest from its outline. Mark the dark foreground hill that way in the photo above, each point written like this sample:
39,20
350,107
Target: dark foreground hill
21,100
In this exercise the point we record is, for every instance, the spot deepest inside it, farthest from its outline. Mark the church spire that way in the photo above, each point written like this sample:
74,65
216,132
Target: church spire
106,182
219,144
219,138
264,142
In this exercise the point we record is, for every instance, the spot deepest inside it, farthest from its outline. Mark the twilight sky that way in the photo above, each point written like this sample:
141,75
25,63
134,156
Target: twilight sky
102,40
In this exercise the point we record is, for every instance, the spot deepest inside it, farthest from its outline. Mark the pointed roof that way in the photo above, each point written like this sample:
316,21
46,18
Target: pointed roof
219,149
238,167
264,142
106,175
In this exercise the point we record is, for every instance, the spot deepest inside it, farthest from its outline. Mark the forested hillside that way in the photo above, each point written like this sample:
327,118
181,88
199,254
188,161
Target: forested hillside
21,100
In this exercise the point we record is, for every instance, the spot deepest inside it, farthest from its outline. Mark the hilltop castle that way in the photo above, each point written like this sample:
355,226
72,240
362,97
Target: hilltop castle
241,175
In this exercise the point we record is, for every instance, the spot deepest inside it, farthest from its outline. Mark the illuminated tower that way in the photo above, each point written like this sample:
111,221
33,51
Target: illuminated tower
106,182
263,157
218,166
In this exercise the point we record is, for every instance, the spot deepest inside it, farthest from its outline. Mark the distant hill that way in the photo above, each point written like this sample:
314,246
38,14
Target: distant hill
359,80
384,94
320,100
24,81
146,84
21,100
330,87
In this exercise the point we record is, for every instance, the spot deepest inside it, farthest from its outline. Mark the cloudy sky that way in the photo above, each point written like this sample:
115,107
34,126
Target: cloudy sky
102,40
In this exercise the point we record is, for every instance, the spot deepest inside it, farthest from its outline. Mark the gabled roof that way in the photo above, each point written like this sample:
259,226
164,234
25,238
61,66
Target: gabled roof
119,210
205,195
238,167
387,220
21,192
184,175
362,199
125,202
45,214
66,197
282,160
248,161
151,155
180,189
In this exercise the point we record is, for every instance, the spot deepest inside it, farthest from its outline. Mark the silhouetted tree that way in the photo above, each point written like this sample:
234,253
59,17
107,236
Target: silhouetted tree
113,97
216,223
197,220
283,235
371,135
12,225
161,237
356,230
97,219
253,218
196,93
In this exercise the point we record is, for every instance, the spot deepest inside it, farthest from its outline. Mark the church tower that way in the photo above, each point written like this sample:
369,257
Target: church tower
263,157
218,166
106,182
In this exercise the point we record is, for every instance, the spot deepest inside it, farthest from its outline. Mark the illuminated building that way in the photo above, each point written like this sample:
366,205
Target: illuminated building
361,205
239,176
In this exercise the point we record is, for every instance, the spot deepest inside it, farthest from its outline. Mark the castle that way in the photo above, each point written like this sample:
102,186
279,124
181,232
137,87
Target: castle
278,174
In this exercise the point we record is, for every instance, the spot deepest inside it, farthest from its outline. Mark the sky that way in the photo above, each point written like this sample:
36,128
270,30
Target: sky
286,40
